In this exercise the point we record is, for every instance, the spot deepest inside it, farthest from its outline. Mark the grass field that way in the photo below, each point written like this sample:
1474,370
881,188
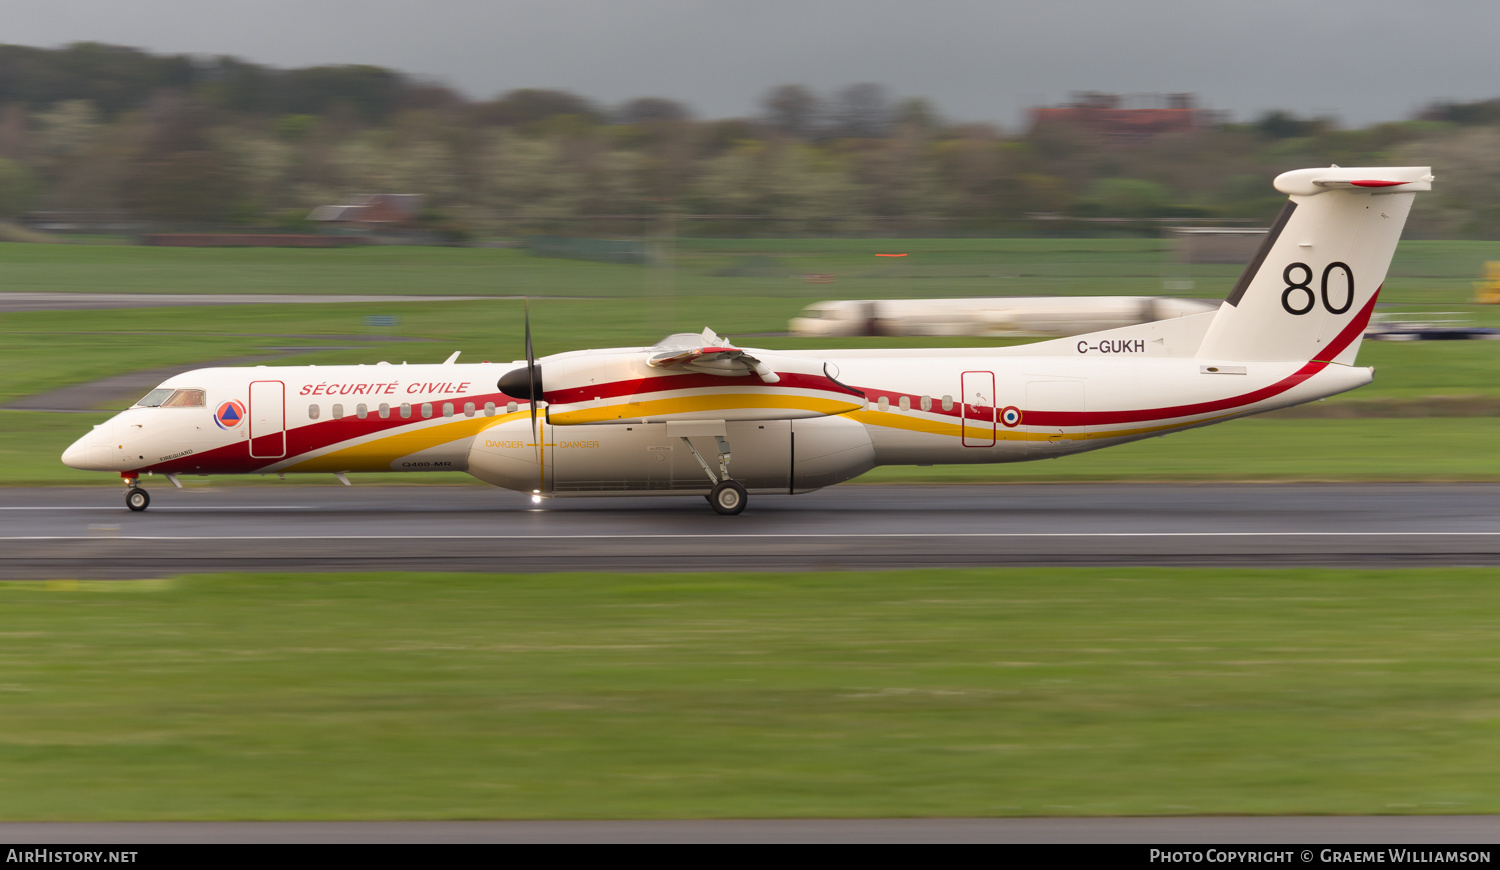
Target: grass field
915,693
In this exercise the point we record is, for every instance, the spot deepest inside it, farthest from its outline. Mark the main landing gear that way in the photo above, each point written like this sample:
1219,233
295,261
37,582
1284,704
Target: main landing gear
136,499
728,497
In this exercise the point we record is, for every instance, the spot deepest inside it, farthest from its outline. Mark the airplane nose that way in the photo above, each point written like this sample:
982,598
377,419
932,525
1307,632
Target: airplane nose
77,455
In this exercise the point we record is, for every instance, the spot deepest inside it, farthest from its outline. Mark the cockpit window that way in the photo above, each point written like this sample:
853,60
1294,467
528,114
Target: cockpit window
168,398
185,399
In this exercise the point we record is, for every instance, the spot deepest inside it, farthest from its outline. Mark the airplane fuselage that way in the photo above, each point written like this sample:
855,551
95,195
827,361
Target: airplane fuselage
921,407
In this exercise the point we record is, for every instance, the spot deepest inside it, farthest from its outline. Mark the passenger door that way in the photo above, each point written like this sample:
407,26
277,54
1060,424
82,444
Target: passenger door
267,419
977,393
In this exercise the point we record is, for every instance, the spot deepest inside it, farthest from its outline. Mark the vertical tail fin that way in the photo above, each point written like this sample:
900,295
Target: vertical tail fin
1309,292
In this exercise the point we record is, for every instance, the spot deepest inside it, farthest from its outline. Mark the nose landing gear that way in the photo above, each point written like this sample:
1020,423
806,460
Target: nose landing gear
136,499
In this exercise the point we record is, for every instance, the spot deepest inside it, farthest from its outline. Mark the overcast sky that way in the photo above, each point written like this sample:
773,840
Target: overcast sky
1358,60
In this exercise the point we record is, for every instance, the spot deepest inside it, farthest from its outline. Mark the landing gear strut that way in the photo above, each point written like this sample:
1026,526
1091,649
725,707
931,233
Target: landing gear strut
728,497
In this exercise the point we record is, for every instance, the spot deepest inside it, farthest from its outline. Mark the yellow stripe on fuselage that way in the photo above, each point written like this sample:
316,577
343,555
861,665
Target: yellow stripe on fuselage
378,453
709,402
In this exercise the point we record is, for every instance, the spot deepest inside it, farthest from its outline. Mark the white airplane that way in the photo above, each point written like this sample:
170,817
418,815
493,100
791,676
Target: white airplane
638,420
997,316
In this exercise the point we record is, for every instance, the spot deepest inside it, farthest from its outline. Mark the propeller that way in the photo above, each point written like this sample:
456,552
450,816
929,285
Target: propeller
526,383
533,373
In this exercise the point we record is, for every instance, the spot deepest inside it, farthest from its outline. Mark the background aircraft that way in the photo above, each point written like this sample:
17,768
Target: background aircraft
994,316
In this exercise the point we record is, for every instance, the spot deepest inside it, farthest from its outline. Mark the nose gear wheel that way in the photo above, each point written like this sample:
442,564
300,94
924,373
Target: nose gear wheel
137,499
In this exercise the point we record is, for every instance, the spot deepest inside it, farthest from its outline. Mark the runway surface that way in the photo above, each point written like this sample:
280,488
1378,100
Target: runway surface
87,532
1217,830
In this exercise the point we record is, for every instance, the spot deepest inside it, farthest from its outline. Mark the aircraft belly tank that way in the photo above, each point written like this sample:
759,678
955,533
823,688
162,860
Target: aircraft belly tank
772,456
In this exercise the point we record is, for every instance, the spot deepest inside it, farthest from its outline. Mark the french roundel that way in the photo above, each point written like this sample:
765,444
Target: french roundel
229,415
1011,417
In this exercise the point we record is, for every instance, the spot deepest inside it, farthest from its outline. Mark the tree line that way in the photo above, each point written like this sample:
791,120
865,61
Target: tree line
183,140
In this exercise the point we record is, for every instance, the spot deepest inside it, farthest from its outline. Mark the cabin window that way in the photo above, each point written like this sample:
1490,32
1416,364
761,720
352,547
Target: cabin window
338,412
447,409
947,403
510,407
489,409
905,403
361,410
927,403
468,409
406,410
312,412
385,410
426,410
884,404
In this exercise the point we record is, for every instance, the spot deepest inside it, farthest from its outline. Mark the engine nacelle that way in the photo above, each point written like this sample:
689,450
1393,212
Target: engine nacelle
774,456
505,455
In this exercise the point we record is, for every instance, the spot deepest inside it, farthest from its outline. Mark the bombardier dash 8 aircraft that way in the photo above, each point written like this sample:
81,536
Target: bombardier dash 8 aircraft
639,420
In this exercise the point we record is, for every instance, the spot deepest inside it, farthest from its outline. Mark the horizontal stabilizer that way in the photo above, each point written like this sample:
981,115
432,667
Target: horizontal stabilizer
1310,182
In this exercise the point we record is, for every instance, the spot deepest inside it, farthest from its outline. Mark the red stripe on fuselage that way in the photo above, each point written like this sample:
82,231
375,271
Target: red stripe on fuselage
235,458
1354,329
693,381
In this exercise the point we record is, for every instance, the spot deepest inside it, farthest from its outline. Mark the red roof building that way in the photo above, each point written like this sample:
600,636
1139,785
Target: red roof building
1105,115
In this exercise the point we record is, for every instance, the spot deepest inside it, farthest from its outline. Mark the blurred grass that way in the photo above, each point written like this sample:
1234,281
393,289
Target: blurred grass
917,693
